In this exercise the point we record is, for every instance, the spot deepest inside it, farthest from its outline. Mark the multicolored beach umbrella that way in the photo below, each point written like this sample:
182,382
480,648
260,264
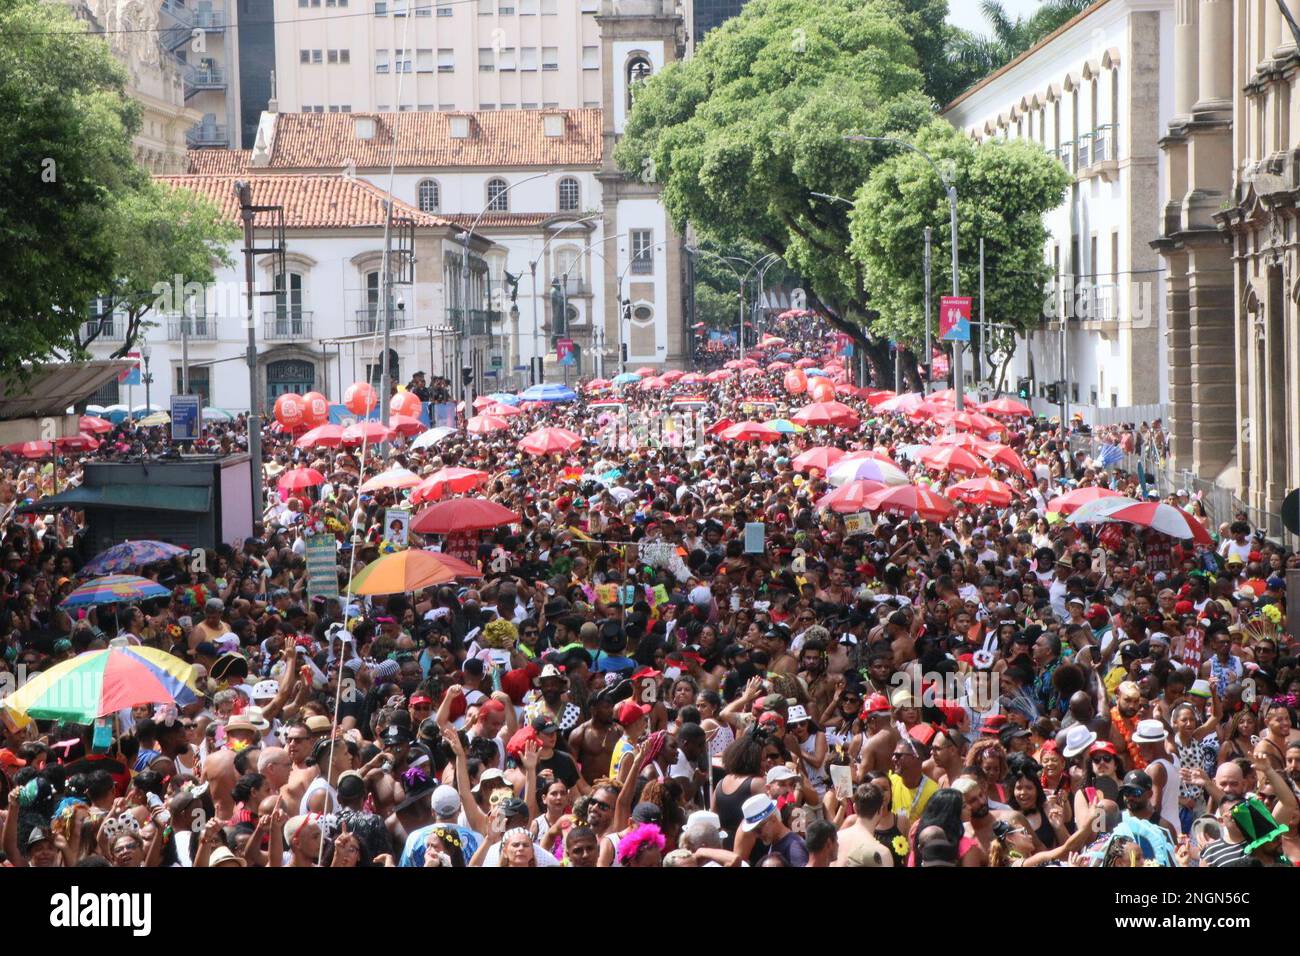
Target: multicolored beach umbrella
103,682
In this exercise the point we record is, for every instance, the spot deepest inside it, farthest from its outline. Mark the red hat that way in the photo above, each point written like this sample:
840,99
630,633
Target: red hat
1103,747
630,712
952,713
689,656
922,734
1184,607
993,723
1097,612
771,718
875,704
563,503
646,673
522,736
1254,556
421,699
491,706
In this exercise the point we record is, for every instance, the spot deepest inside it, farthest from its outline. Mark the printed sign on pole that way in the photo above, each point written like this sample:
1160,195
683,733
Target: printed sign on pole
954,318
186,421
322,566
859,523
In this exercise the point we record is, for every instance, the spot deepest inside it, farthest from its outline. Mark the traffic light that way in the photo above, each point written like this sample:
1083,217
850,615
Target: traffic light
466,376
1054,393
625,352
1024,388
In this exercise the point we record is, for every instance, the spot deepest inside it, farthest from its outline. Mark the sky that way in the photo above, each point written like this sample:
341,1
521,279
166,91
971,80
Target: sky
966,13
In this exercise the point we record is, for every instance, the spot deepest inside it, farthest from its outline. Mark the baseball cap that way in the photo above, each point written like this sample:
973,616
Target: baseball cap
779,773
446,800
629,712
545,724
1135,782
646,812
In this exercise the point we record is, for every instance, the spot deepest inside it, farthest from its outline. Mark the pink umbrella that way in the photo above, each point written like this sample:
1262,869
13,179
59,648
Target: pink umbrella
548,441
485,424
393,478
850,469
81,442
1006,406
982,491
645,371
959,440
1006,456
750,371
598,384
456,480
482,402
908,500
406,424
322,436
652,384
296,479
906,403
820,458
692,378
805,363
502,411
779,367
719,375
371,433
30,449
672,375
951,458
850,498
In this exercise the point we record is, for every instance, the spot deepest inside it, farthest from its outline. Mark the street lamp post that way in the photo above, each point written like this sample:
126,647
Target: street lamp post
145,353
951,189
532,269
468,325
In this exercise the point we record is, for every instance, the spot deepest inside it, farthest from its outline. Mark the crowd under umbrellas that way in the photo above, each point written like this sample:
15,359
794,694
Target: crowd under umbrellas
752,615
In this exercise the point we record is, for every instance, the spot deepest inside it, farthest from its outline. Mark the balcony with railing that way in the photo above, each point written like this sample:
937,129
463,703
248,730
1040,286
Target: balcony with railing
286,326
1098,303
1085,150
211,134
195,328
108,329
200,78
1066,156
643,264
370,321
480,321
173,11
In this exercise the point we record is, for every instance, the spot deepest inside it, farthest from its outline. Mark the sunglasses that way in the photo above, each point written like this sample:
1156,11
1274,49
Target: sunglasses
1104,758
599,803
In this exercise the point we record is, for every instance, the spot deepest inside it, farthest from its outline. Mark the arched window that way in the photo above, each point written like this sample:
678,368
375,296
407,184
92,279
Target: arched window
498,200
430,196
375,369
638,71
570,194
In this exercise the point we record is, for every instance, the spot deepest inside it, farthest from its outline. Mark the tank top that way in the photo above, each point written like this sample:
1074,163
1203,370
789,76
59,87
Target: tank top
1169,796
731,810
816,775
320,783
894,842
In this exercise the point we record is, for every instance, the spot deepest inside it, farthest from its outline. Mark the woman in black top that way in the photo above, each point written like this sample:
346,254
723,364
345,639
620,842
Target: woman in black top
1027,796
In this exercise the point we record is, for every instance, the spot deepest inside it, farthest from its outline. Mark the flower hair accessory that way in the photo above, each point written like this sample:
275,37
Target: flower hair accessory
414,777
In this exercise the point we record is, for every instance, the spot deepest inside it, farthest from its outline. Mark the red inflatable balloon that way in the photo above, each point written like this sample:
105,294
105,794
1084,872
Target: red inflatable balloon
821,391
360,398
405,403
289,410
796,382
315,410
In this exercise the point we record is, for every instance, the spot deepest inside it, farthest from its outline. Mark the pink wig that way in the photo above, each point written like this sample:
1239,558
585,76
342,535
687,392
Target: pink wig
632,844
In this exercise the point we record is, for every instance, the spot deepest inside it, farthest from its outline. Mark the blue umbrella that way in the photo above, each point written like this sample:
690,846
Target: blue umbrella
784,356
130,554
627,378
550,392
505,398
115,589
811,372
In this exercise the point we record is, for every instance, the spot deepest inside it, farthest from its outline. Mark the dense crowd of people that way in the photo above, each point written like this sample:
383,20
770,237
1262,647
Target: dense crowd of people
677,655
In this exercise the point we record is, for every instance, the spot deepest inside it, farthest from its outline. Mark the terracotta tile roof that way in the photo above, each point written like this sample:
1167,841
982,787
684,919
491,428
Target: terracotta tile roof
310,202
218,162
498,138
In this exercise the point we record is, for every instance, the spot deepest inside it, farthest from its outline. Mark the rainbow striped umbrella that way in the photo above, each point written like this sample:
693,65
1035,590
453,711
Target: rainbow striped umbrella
115,589
102,682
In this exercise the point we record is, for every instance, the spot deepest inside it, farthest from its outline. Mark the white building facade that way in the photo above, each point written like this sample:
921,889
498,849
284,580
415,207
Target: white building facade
1096,94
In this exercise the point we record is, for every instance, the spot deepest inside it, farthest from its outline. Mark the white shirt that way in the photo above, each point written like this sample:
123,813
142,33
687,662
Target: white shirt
544,857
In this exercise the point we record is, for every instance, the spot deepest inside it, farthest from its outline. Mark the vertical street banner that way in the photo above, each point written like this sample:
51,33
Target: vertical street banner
132,375
397,524
322,566
564,351
954,318
186,420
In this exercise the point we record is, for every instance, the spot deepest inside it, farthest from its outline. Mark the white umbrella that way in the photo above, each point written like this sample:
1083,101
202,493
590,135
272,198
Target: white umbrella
432,436
622,494
865,469
1096,511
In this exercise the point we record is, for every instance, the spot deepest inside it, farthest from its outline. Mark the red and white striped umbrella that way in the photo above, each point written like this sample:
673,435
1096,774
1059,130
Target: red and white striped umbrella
850,498
821,458
1070,502
826,413
909,500
372,433
1161,517
982,491
952,458
549,441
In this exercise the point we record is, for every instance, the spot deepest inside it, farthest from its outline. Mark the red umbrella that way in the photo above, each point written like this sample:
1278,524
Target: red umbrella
485,424
844,388
547,441
598,384
959,440
879,396
748,363
373,433
652,384
1164,518
906,403
1006,406
1069,502
645,371
462,514
1006,456
77,443
820,458
982,491
805,363
502,411
750,431
750,371
295,479
672,375
692,378
30,449
851,497
779,367
718,427
952,458
719,375
826,413
406,424
94,425
908,500
456,480
483,401
322,436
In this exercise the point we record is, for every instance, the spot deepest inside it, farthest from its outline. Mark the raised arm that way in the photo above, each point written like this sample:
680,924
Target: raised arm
475,817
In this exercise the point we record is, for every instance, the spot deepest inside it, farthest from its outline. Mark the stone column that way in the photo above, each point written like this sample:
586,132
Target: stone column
1215,51
1275,31
1178,337
1213,364
1186,56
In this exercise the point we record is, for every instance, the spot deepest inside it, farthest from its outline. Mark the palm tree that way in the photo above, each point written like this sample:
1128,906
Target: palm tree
1008,38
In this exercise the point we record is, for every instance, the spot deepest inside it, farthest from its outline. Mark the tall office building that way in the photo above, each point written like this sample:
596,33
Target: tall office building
704,15
256,65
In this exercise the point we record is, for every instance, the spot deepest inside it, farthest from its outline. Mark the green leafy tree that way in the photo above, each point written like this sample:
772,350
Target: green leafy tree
1004,187
65,158
740,136
166,239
